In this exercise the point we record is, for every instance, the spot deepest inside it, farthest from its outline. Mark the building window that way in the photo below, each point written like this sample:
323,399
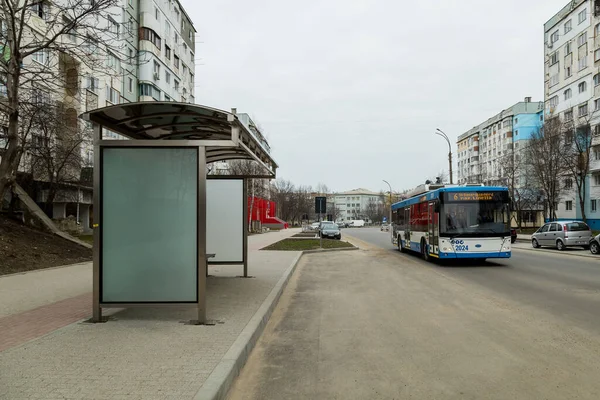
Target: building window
167,77
568,183
593,205
176,61
568,48
582,15
582,39
149,90
553,80
112,95
184,70
167,52
554,37
597,153
113,26
568,72
569,115
167,29
112,61
190,35
191,57
582,87
597,55
553,102
568,94
176,85
131,55
568,26
150,35
156,13
583,110
40,9
583,62
554,58
176,38
92,83
569,205
596,104
130,84
156,70
597,179
597,30
41,57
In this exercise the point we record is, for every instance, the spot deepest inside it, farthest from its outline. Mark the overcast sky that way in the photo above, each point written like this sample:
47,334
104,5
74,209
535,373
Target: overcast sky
349,92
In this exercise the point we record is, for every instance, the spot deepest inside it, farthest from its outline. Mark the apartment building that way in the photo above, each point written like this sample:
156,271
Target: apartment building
572,92
140,50
483,151
353,204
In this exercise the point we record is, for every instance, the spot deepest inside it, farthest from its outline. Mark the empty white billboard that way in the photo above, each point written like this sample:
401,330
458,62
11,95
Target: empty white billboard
225,202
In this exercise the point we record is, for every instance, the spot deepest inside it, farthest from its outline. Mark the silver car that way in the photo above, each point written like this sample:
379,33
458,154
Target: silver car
562,234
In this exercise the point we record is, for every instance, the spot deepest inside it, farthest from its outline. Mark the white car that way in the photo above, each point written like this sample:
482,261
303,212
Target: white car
314,226
385,227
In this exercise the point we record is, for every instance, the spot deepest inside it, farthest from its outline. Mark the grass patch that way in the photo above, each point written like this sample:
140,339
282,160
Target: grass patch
307,244
87,238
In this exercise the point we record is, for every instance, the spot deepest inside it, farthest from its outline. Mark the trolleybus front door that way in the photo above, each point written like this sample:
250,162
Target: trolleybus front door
433,229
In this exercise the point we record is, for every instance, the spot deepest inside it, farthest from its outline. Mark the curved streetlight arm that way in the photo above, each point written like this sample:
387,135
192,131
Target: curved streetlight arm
390,217
441,133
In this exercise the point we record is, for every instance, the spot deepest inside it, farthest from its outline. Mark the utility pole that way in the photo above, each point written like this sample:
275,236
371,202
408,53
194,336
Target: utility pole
390,210
439,132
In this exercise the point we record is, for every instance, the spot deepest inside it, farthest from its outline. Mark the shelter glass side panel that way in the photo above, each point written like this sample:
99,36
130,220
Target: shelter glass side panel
149,225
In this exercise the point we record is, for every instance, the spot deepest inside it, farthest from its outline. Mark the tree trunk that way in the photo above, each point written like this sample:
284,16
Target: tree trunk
10,158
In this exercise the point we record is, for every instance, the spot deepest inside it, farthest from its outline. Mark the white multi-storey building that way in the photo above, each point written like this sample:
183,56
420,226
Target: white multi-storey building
353,204
572,91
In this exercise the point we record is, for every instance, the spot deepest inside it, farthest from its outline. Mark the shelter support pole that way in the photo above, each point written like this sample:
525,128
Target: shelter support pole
97,310
202,256
246,224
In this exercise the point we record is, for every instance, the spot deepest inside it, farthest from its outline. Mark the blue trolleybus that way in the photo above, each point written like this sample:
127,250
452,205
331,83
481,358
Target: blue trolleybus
454,222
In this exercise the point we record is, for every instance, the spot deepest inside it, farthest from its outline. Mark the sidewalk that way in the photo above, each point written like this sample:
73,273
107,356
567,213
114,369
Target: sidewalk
144,353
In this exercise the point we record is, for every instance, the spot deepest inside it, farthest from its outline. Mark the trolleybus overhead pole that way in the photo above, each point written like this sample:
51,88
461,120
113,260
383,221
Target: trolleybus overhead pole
439,132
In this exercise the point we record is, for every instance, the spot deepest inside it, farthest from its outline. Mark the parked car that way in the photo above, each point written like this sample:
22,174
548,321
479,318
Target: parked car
385,227
513,235
331,231
342,224
595,245
562,234
314,226
323,224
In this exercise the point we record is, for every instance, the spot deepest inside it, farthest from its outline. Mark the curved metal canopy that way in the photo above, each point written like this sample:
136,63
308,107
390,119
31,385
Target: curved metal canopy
223,134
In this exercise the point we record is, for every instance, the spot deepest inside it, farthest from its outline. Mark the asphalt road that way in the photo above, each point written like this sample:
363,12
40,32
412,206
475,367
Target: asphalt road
563,284
379,324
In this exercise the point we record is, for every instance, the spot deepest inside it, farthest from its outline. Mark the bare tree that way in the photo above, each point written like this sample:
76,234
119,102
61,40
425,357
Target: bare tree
576,157
517,178
545,162
56,148
45,44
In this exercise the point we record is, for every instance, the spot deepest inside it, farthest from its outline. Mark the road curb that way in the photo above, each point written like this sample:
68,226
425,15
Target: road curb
329,250
557,252
222,377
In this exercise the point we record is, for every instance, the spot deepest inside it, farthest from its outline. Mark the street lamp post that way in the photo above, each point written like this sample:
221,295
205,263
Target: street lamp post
439,132
390,213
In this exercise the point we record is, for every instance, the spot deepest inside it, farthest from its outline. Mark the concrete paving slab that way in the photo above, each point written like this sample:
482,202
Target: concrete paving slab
147,353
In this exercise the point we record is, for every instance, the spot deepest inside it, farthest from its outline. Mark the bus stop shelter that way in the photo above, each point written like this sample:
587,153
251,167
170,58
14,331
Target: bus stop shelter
150,201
